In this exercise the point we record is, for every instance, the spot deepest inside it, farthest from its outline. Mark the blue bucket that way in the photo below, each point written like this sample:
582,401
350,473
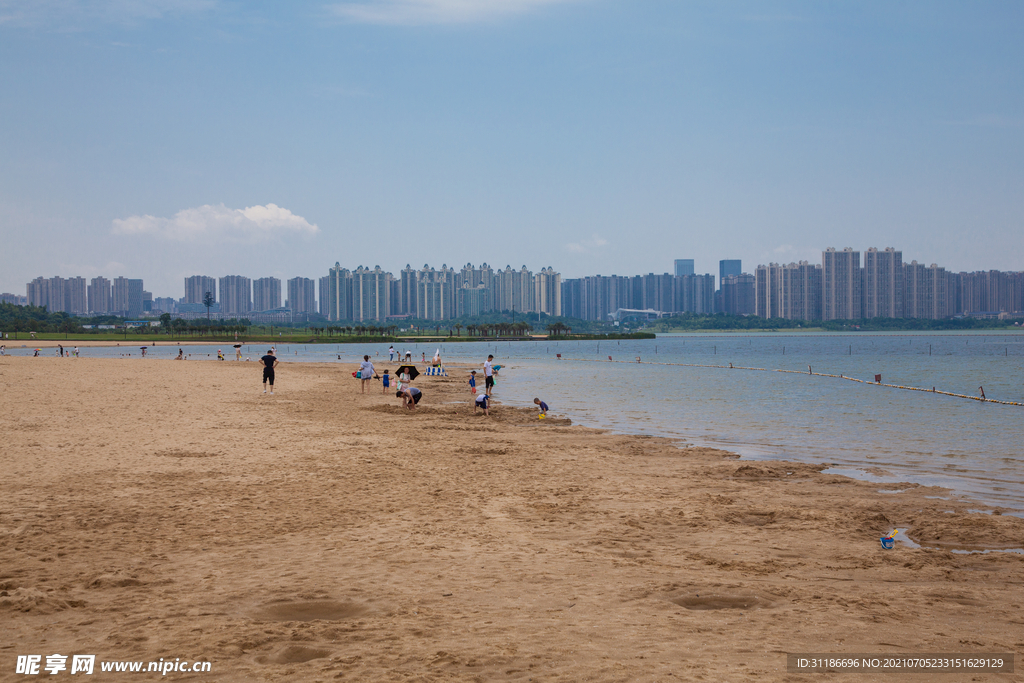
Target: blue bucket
888,542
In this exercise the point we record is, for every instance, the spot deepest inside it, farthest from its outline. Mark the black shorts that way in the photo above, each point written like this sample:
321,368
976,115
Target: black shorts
416,397
268,374
488,382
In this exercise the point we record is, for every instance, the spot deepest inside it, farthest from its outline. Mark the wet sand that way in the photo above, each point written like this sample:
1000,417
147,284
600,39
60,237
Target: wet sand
154,508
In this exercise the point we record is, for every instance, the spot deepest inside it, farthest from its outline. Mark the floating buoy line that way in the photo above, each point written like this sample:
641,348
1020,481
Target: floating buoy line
730,366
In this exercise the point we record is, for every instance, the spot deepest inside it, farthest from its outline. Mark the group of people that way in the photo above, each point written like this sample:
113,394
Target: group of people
410,395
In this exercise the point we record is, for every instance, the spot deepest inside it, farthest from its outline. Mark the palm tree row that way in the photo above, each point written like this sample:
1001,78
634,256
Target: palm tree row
559,329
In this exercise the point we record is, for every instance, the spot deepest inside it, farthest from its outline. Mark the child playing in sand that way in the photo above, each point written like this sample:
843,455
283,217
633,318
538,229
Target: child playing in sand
543,407
482,401
472,381
386,380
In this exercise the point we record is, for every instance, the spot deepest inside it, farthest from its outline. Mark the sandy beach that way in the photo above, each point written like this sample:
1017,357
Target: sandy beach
159,509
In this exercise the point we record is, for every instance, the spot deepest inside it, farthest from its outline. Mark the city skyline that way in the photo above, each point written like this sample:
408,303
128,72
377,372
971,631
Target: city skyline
840,287
213,136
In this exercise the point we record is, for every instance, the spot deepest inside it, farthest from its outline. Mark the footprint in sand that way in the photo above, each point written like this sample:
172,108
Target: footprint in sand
310,610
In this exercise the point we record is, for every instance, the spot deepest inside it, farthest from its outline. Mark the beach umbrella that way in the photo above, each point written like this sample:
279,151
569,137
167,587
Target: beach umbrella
411,369
238,346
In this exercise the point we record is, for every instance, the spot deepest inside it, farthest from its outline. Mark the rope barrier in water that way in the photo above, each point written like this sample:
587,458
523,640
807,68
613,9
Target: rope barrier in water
801,372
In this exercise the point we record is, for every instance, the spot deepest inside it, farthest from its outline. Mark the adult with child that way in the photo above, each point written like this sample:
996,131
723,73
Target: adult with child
488,376
269,363
366,373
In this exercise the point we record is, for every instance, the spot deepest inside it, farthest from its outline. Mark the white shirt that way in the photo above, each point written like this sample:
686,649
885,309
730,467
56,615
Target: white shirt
487,368
366,370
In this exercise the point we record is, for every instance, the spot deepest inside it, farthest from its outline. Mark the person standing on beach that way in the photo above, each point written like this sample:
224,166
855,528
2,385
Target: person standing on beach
61,347
76,352
391,352
488,376
386,381
366,373
472,381
269,363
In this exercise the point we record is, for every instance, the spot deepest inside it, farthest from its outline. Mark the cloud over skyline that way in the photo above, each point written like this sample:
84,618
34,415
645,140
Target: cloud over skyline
588,245
414,12
219,224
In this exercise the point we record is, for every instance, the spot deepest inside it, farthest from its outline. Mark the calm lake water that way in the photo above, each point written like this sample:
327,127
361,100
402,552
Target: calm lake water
973,448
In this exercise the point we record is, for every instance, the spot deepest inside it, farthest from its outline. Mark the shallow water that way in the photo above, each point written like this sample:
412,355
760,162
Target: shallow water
971,447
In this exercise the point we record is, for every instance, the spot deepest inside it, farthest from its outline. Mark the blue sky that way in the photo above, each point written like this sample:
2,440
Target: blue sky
162,138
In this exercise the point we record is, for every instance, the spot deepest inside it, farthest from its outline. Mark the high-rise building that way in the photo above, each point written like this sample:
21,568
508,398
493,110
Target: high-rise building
407,298
436,293
301,295
738,294
371,294
38,292
882,289
165,304
323,302
841,284
126,297
99,295
548,292
266,294
926,292
196,287
768,291
684,266
728,267
76,296
236,295
801,291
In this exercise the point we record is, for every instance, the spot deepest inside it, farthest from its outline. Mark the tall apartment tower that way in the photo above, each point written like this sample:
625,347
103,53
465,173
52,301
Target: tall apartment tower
76,296
684,266
801,291
301,295
98,294
266,294
38,292
371,294
196,287
768,291
882,289
738,294
235,294
126,297
841,284
325,294
407,292
548,292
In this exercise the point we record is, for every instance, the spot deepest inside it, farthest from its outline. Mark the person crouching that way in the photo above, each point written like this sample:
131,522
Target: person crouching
410,397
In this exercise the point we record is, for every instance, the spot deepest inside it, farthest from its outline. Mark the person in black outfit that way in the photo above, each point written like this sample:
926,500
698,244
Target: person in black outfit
269,363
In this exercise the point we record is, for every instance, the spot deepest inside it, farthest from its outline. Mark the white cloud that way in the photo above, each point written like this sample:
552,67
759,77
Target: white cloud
588,245
219,224
413,12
